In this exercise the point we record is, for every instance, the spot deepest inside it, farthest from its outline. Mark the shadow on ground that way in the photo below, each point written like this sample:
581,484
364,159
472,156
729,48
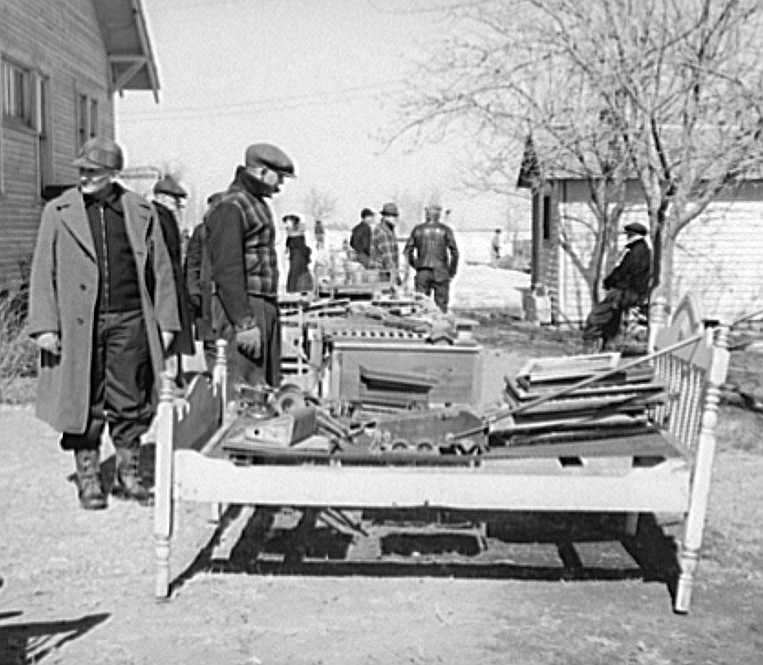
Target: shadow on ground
22,643
431,543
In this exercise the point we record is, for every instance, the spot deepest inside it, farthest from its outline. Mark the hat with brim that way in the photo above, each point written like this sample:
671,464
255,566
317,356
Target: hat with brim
100,153
389,210
636,228
168,185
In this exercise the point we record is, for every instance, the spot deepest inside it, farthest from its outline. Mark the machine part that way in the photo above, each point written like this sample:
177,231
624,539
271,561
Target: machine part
425,447
287,398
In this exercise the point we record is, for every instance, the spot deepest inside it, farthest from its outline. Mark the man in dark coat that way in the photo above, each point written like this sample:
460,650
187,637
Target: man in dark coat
240,237
298,279
627,286
432,252
360,238
168,195
198,281
102,332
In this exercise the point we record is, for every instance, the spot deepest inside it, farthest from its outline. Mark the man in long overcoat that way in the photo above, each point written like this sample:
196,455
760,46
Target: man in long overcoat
168,195
101,332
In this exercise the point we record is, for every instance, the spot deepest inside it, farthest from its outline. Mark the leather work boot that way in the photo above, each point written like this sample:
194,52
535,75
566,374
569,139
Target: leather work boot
128,484
91,496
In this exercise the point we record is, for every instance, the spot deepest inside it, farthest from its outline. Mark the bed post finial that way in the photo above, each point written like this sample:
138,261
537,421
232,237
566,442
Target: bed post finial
220,371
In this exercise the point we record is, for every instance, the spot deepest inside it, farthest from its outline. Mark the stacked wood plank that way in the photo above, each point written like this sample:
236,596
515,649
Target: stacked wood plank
545,412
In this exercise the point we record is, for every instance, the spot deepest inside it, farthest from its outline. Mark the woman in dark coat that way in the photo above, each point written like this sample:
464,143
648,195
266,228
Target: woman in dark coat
299,278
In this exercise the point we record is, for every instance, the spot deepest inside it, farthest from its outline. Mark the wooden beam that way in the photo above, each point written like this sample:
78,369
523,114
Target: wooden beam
126,76
128,58
541,484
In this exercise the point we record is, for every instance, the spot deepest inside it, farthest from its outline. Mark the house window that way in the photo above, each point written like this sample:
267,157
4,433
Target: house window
546,217
17,94
87,118
93,117
44,142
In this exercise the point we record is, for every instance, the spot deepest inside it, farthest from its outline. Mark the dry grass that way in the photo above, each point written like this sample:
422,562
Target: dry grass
18,355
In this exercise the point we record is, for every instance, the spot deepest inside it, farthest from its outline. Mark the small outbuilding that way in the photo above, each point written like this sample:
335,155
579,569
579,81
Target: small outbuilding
718,258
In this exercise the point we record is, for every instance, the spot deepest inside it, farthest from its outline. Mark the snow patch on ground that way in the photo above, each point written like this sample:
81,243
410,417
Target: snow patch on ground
482,287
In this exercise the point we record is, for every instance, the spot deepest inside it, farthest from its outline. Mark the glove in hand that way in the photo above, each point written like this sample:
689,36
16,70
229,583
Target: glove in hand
49,342
249,342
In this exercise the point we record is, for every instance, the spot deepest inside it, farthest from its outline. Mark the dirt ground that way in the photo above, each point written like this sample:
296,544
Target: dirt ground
548,589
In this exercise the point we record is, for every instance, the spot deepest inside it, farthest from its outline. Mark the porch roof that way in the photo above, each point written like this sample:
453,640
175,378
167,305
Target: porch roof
131,58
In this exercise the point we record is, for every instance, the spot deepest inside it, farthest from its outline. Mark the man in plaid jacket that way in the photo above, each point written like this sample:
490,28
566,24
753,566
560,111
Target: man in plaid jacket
385,254
240,235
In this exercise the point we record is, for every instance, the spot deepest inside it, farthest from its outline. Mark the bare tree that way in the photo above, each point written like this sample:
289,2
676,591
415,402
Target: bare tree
666,92
502,80
683,83
319,205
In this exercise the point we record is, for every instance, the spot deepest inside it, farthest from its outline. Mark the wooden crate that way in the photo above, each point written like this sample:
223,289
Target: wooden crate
456,370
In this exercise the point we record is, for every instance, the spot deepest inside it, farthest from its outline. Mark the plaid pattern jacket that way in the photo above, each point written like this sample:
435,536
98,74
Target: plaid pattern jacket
385,254
241,242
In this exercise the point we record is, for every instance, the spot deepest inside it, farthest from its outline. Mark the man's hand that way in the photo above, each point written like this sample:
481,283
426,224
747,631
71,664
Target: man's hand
167,338
49,342
249,342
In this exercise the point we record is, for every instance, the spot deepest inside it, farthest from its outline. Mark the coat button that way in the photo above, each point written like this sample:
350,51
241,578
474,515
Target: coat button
80,320
82,287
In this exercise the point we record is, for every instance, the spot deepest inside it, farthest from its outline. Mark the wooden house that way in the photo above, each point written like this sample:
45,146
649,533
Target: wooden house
61,63
718,258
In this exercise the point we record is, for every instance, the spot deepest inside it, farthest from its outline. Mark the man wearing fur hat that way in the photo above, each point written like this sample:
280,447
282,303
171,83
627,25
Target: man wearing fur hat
102,309
627,285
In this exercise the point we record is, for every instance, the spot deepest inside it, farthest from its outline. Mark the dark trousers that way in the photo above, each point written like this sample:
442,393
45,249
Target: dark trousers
121,383
266,368
425,282
603,321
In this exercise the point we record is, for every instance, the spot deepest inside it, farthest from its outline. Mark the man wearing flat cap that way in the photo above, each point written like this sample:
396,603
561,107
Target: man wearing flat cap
385,254
240,234
432,252
627,286
102,309
168,198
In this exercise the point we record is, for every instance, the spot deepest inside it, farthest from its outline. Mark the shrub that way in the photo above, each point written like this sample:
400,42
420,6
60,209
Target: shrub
18,354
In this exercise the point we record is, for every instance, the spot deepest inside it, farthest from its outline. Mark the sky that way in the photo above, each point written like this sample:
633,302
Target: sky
319,78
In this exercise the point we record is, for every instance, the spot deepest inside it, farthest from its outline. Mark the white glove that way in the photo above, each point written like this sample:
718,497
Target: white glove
167,338
50,342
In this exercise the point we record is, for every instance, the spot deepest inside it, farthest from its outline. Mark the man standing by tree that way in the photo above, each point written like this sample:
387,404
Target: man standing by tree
96,320
360,238
432,252
627,285
240,236
384,251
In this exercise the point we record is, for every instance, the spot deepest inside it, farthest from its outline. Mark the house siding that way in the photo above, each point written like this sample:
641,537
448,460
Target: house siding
62,42
718,257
